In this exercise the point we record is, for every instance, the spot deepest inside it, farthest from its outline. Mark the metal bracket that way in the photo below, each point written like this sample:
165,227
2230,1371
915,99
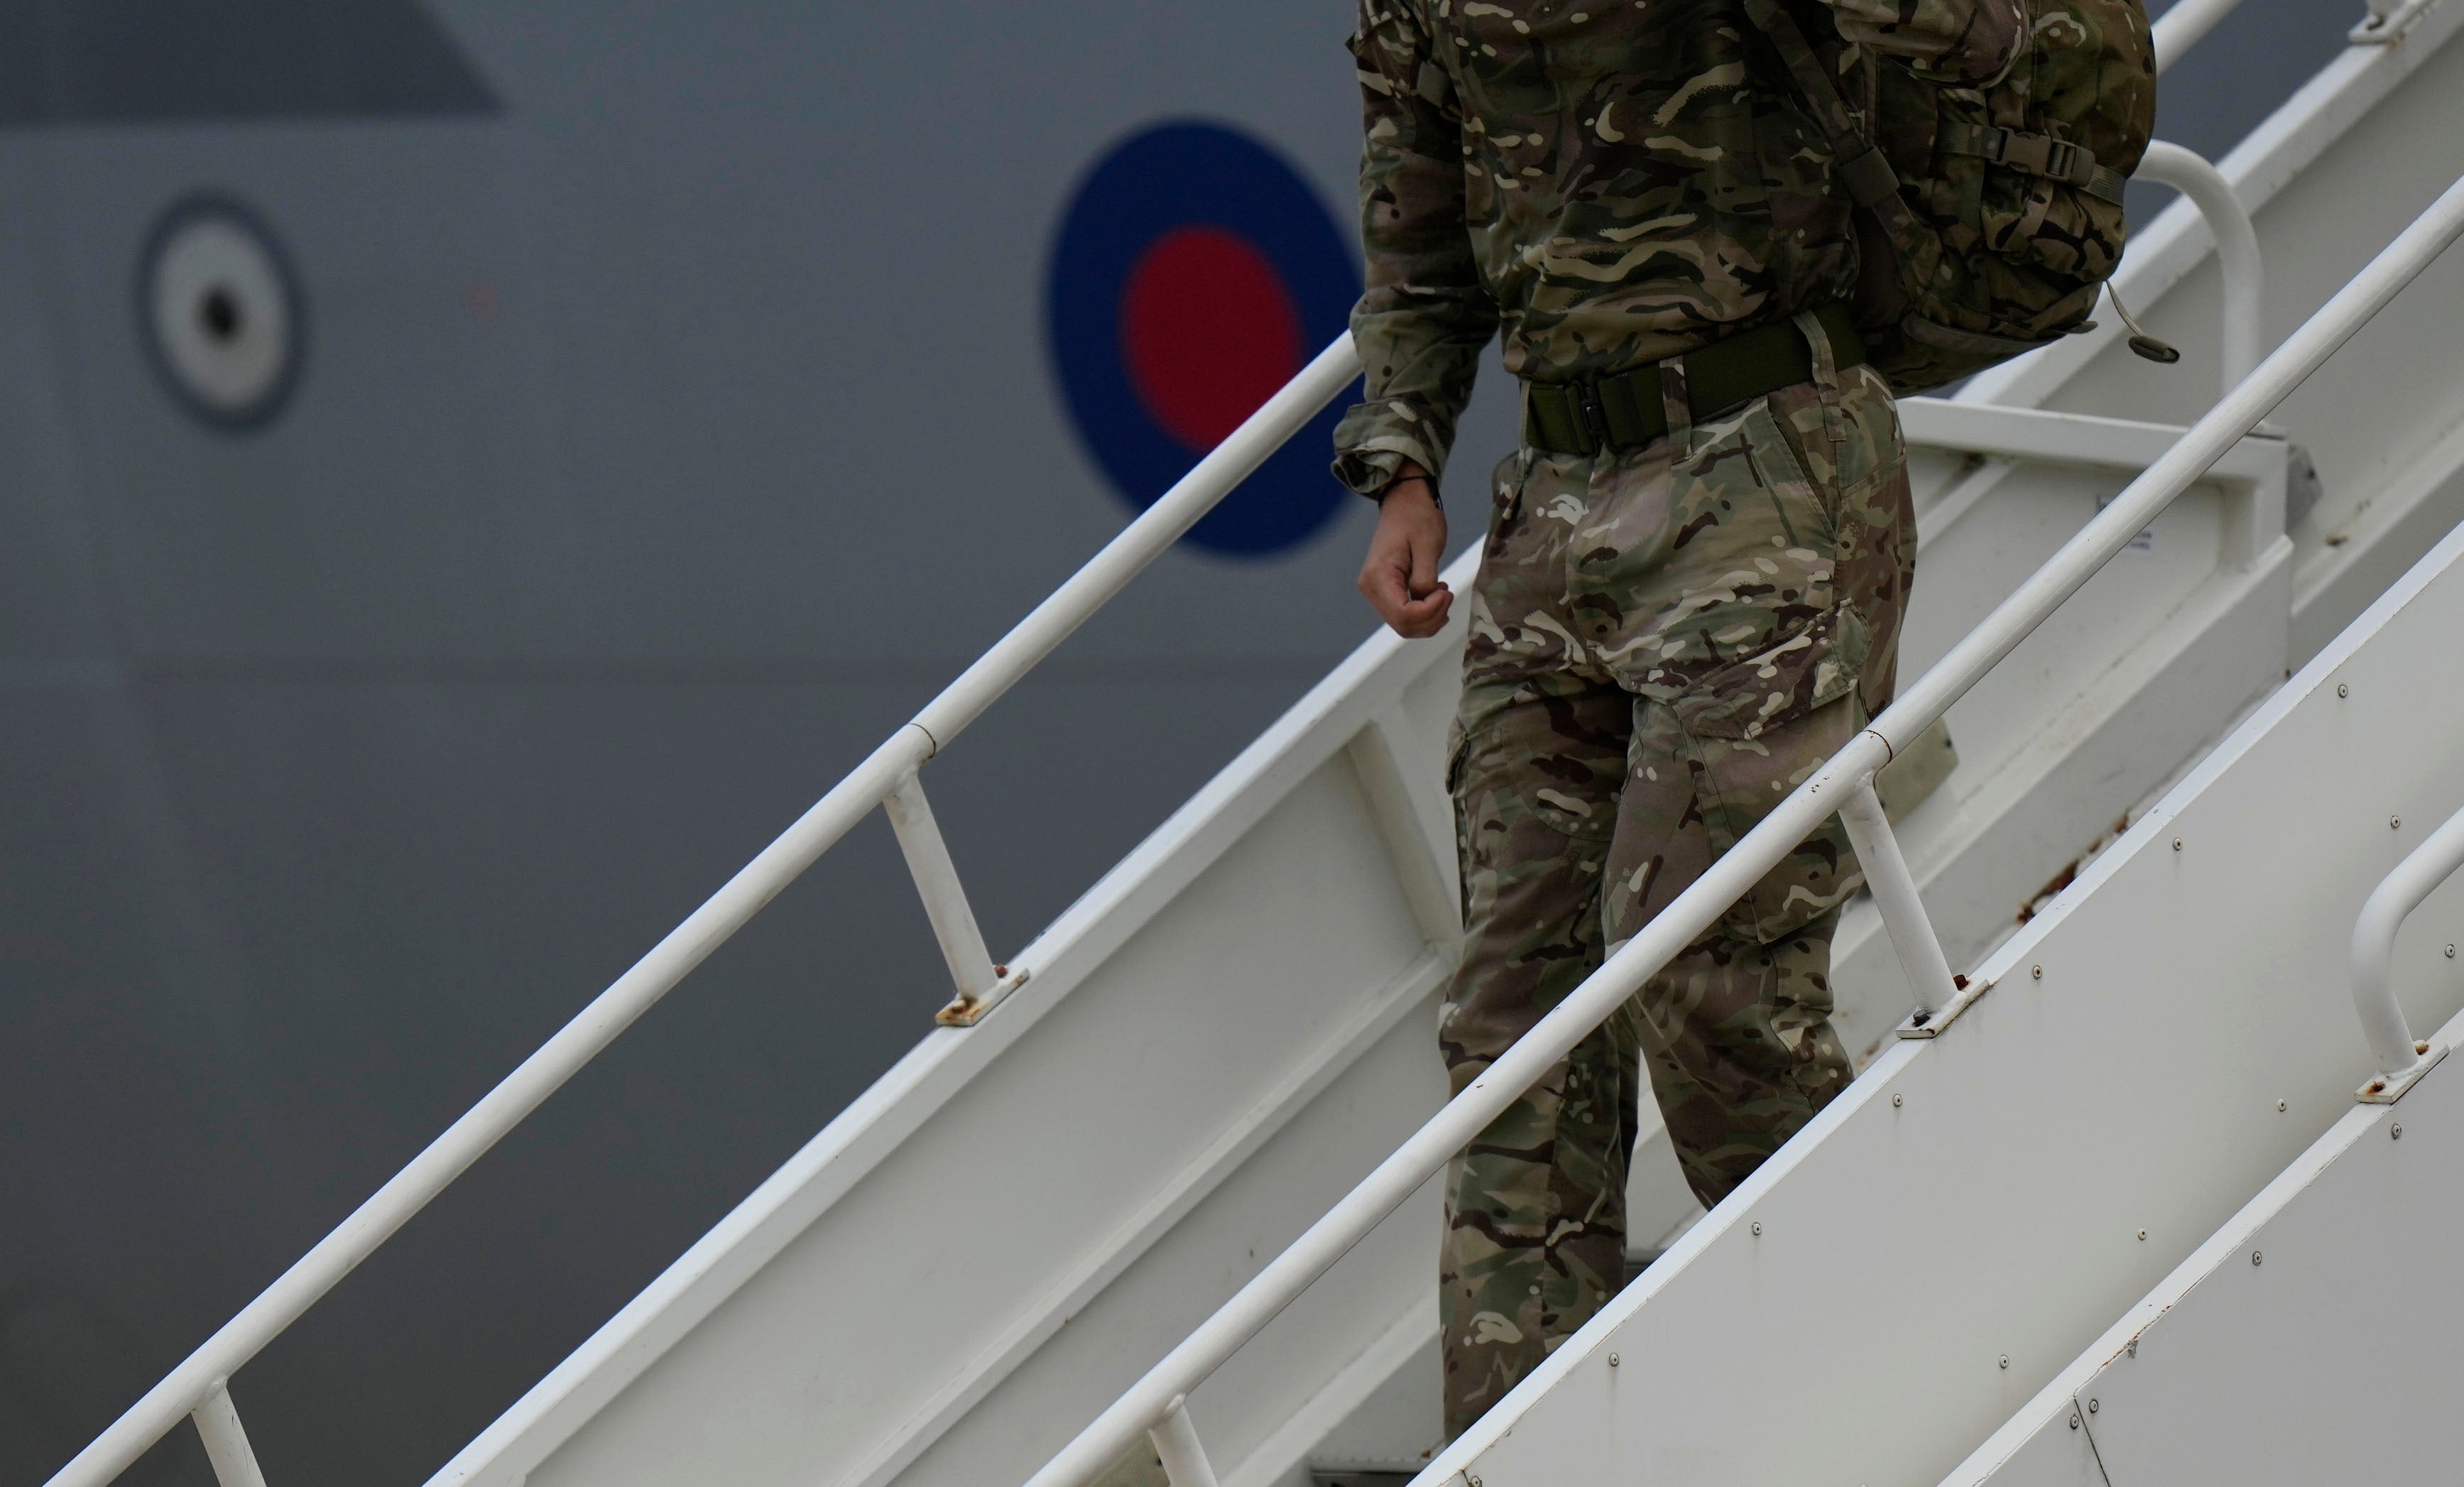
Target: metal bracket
2386,27
1922,1025
2388,1089
969,1009
1176,1442
979,982
1902,909
226,1447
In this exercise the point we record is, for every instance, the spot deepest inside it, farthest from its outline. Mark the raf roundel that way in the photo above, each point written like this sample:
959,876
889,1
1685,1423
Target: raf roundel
220,311
1195,274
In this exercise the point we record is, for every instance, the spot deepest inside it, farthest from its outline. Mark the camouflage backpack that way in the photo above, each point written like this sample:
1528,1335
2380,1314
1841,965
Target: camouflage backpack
1987,142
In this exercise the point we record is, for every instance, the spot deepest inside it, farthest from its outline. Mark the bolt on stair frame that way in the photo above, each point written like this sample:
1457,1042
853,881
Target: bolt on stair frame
1465,1116
2401,1060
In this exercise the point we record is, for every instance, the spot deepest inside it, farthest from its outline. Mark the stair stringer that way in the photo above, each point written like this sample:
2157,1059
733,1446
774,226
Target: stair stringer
1063,1163
2316,1336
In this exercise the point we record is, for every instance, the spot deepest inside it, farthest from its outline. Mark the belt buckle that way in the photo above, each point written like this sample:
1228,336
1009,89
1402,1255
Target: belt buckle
1594,420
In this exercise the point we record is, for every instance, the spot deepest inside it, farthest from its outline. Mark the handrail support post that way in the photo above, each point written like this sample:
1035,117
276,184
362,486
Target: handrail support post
936,883
1895,893
1176,1441
226,1445
2243,276
2401,1060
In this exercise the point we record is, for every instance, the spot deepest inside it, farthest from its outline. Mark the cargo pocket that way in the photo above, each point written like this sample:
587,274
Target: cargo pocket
1755,731
1741,559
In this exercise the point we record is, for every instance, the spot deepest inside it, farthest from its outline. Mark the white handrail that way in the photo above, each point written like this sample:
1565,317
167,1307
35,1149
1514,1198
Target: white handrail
2388,22
200,1376
2238,260
1469,1113
2383,914
2179,28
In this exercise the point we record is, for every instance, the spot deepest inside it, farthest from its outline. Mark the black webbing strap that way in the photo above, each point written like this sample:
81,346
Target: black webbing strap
1623,410
1864,169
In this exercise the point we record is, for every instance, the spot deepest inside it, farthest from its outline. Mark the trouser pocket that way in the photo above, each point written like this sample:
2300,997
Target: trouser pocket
1753,731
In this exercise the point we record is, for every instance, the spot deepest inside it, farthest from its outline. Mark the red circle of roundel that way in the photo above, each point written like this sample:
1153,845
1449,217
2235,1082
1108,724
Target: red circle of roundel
1209,333
1155,363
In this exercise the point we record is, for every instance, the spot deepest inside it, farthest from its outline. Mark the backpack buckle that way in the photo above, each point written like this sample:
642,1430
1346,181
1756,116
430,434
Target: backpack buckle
2068,162
1586,397
2041,155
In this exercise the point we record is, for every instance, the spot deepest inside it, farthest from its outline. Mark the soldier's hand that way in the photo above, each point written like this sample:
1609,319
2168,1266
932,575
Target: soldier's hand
1400,577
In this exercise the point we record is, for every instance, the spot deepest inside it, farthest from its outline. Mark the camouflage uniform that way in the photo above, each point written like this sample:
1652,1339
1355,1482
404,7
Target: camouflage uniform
1664,643
1664,640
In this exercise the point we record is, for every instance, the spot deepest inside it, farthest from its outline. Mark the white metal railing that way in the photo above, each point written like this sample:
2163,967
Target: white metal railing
2237,259
2179,28
2400,1060
887,778
1845,782
2388,22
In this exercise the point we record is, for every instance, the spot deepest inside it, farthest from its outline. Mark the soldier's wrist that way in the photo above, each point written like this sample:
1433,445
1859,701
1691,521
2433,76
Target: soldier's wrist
1427,484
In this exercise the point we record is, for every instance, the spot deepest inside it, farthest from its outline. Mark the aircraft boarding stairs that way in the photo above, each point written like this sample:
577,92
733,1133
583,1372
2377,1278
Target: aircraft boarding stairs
1130,1119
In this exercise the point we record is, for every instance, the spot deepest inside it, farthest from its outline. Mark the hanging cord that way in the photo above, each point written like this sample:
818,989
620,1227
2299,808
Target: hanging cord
2141,342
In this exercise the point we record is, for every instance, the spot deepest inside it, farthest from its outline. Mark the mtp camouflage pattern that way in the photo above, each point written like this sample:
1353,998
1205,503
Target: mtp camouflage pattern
1611,181
2008,126
1663,643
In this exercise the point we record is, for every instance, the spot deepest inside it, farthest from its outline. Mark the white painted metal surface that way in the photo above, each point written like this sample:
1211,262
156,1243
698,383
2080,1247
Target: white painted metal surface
2237,255
1693,910
945,897
2336,171
2389,21
225,1440
1168,1093
2400,1060
1176,1446
2156,1047
2316,1337
2339,169
1896,898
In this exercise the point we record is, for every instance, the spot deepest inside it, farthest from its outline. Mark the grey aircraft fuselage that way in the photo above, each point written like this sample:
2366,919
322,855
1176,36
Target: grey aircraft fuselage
615,419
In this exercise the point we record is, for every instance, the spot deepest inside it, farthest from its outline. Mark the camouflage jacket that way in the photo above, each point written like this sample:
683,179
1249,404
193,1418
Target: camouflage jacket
1610,180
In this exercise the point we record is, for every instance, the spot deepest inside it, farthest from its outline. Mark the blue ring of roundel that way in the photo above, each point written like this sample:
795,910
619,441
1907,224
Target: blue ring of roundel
1162,179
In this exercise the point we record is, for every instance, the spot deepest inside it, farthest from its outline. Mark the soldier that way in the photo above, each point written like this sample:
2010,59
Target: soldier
1689,595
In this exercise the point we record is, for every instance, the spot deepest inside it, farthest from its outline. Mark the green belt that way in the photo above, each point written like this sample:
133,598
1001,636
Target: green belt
1623,410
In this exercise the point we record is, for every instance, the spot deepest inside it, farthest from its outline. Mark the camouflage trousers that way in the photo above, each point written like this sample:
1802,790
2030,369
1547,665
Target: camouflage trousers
1663,643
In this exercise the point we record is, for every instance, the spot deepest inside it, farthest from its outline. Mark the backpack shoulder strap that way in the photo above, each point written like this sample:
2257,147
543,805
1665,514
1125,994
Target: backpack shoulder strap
1862,167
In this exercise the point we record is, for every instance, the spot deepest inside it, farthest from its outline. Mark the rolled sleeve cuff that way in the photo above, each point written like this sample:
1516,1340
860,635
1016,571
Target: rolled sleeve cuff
1375,439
